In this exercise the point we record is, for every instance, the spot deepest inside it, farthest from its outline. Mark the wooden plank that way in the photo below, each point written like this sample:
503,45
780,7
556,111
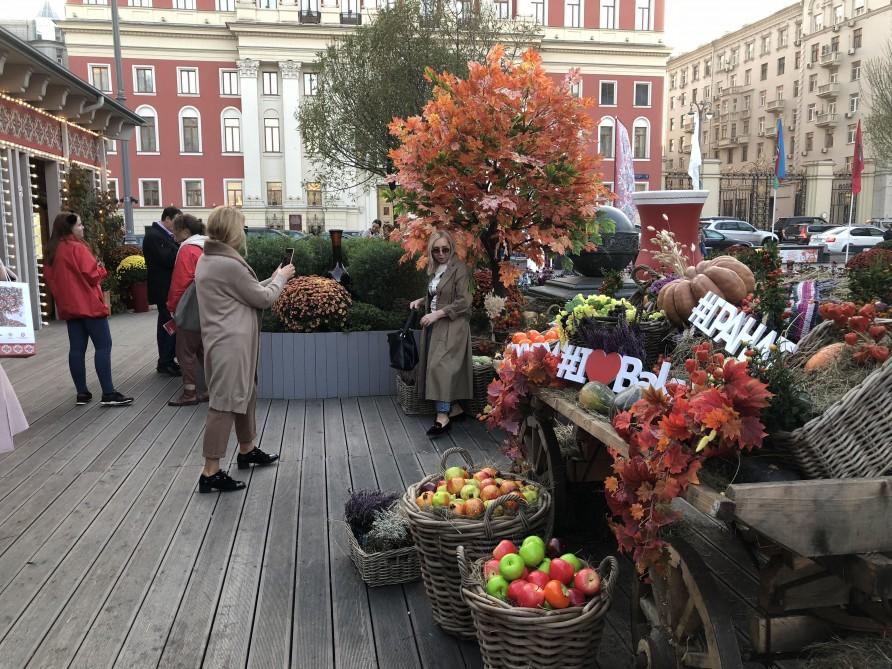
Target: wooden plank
599,429
709,501
335,438
293,435
375,434
393,426
871,573
354,429
821,517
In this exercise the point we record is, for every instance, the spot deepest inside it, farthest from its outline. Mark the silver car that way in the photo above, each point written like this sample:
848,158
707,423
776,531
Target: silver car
733,228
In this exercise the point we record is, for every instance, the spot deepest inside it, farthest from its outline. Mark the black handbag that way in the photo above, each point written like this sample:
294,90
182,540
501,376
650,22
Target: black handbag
403,349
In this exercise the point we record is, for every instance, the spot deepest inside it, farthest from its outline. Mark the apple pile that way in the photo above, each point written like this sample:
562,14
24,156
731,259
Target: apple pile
539,575
469,496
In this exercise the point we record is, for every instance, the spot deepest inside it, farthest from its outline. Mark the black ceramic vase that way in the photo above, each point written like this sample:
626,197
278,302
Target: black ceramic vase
338,272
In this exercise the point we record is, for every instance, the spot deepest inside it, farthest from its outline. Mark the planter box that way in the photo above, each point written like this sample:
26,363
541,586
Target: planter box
322,365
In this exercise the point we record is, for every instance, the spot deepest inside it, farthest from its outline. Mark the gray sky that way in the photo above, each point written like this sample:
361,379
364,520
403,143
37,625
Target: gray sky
690,23
25,9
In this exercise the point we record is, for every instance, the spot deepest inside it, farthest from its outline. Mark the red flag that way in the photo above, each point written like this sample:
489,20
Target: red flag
857,160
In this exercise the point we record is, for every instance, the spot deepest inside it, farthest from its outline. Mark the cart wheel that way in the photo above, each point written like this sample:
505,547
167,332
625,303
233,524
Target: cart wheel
546,463
684,609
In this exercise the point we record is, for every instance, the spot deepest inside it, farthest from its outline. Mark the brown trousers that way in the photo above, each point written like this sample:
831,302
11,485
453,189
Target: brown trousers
190,355
219,426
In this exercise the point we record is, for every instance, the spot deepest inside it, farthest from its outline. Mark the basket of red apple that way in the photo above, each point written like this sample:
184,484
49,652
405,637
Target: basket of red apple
474,508
532,610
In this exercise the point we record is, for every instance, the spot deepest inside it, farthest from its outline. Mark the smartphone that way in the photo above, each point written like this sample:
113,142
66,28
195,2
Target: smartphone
287,258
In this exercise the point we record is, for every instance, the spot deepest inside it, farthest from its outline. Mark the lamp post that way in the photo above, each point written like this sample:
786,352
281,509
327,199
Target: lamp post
701,110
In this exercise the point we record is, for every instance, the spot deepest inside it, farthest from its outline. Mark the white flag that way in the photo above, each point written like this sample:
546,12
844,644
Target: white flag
696,158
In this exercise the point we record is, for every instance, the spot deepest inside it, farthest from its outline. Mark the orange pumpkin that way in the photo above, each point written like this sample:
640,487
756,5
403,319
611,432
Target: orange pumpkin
725,276
825,356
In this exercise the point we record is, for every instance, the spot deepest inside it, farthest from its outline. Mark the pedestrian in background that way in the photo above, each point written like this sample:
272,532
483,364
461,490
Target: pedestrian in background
74,277
374,230
231,301
189,234
160,250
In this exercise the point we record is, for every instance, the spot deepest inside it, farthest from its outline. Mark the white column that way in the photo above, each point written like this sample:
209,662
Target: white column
251,146
291,75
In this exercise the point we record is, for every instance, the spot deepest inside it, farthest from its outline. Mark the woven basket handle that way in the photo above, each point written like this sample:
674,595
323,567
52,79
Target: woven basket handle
464,569
650,275
609,572
452,451
500,501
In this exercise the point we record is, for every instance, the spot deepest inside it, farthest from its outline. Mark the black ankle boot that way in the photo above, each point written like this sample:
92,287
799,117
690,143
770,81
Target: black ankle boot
220,481
255,457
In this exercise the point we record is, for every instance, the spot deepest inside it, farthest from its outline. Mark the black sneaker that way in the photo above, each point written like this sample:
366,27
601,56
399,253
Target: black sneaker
84,398
220,481
255,457
115,399
172,369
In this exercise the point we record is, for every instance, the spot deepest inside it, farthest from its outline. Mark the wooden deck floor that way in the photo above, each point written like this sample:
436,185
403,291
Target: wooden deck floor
108,558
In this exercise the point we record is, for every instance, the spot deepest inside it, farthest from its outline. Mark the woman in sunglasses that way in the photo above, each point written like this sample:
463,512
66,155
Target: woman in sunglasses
446,373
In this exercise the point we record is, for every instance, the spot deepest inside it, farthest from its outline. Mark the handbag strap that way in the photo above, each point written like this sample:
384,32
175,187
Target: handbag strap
408,324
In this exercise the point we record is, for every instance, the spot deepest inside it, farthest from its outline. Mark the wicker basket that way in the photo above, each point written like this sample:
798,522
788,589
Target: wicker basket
384,567
483,376
438,537
409,401
655,339
511,636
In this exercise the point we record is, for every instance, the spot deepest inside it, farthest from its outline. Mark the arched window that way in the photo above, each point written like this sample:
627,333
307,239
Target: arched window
147,135
641,139
231,124
190,130
271,132
606,138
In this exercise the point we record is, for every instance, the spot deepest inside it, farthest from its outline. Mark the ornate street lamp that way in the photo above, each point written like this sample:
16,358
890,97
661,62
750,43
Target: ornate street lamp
701,110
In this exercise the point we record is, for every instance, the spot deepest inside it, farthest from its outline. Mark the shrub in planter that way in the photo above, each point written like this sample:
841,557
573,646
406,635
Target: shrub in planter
114,257
313,304
364,317
131,269
870,276
265,254
379,278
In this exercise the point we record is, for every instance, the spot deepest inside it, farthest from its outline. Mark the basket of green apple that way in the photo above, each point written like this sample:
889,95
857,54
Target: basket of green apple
531,610
474,508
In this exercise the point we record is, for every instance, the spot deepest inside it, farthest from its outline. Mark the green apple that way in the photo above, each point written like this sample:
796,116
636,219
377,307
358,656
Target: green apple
497,586
455,472
532,553
469,491
573,560
545,566
511,566
530,496
442,488
534,539
474,482
441,498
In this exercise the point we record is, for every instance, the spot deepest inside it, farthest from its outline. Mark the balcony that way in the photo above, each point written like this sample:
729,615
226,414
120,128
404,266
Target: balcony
776,106
727,142
826,120
770,132
351,19
745,113
830,59
689,128
686,148
310,16
830,90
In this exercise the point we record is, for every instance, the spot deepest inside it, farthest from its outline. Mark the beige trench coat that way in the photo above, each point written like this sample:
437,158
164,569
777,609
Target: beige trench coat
230,303
446,371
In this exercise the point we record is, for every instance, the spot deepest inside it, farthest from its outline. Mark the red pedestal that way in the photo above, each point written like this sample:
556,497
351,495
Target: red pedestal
139,294
677,211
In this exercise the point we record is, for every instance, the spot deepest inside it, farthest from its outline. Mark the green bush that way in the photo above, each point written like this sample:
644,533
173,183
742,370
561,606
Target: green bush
363,317
884,245
378,276
311,255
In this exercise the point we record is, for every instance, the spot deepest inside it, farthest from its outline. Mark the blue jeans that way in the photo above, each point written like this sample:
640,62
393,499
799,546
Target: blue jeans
96,330
167,344
443,407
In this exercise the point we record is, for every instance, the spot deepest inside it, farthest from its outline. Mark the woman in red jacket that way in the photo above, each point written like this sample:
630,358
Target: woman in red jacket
75,277
189,232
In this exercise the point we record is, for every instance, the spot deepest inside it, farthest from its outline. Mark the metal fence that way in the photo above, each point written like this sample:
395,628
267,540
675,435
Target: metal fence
678,181
841,199
748,197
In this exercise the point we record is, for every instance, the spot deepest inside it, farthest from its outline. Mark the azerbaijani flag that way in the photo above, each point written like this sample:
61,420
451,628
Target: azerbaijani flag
780,156
857,160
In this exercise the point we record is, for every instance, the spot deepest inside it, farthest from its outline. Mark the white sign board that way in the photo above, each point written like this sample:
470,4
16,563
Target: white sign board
803,255
736,331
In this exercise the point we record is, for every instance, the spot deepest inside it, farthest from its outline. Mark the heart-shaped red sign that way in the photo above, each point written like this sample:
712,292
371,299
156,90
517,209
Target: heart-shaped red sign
603,367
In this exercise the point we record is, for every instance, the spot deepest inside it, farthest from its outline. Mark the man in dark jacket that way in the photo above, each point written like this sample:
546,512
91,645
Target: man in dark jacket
160,250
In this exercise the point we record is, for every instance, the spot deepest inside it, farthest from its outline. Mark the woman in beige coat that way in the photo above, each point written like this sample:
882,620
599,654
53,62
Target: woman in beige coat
230,303
446,373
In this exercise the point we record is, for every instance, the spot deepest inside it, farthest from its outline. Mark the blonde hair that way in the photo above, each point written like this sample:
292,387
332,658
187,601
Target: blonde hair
227,225
434,238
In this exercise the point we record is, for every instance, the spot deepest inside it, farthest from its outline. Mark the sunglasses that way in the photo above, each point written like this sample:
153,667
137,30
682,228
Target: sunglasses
441,249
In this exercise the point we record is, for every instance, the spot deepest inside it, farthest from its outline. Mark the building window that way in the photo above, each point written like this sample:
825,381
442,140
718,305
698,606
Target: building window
274,193
851,134
798,61
111,146
608,14
834,44
856,70
144,78
818,21
693,96
812,111
839,14
763,72
271,135
100,77
576,89
779,93
311,83
149,192
572,14
643,15
671,123
314,194
761,125
856,38
763,97
229,82
641,139
748,77
672,79
139,3
706,92
190,130
184,4
797,88
828,139
147,135
684,77
812,83
695,72
746,102
707,67
781,65
606,138
642,94
187,81
193,192
539,11
858,6
766,44
95,2
854,102
749,50
232,130
641,186
781,38
809,142
744,153
225,5
267,4
608,94
746,128
234,192
270,83
503,9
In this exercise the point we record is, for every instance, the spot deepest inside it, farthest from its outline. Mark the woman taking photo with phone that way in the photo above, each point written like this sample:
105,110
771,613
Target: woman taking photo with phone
188,231
231,301
74,277
446,373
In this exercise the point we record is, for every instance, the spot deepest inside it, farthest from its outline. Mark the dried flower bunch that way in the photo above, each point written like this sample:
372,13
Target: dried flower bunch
670,253
494,305
313,304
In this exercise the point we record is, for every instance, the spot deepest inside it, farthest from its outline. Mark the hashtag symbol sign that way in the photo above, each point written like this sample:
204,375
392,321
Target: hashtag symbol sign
572,365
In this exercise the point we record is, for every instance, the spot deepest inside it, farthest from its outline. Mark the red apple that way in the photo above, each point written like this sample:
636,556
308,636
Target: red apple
524,573
457,507
490,569
577,598
424,500
540,578
481,476
509,486
556,594
514,590
503,548
491,472
474,507
561,570
488,481
454,485
531,596
587,581
489,492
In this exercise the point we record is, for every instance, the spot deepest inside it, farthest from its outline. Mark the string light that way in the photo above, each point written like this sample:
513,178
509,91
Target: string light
37,110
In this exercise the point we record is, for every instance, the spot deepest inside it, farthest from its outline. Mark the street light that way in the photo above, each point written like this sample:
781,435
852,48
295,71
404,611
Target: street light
701,110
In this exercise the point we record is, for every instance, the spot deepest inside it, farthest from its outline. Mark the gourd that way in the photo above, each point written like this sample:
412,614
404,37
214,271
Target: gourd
824,357
624,400
595,396
725,276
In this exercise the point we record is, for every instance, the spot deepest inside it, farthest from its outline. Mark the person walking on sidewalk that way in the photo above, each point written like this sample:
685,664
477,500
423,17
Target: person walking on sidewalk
74,277
230,303
160,250
189,233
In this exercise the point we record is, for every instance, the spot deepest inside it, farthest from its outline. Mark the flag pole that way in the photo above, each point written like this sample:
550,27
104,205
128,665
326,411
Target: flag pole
615,153
849,231
857,169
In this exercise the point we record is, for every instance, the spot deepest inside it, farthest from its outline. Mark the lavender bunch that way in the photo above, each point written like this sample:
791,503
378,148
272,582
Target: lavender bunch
654,288
360,508
621,338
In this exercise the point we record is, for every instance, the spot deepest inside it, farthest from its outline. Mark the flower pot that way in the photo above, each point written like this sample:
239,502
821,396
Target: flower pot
616,250
677,211
139,296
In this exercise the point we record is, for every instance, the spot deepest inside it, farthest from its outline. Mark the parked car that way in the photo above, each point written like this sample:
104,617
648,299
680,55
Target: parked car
716,241
840,239
740,231
135,240
294,234
801,233
781,224
263,232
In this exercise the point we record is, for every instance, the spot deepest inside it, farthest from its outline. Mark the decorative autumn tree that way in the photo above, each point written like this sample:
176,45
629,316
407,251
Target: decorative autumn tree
103,226
503,161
